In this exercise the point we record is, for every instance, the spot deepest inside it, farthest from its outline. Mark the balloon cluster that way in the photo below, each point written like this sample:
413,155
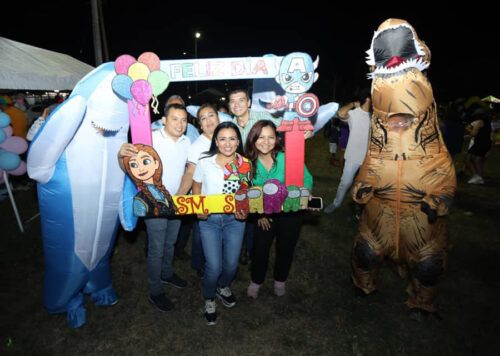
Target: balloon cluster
139,79
10,149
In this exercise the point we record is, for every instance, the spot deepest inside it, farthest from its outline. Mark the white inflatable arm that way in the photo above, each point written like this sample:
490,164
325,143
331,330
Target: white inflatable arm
53,138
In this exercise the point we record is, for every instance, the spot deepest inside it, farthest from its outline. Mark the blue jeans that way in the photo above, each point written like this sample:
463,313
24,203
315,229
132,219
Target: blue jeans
162,234
221,238
197,257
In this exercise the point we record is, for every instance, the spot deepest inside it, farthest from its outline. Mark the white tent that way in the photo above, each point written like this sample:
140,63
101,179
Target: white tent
25,67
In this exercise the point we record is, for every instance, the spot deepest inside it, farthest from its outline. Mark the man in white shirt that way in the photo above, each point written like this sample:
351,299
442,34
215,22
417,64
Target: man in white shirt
191,130
357,115
172,147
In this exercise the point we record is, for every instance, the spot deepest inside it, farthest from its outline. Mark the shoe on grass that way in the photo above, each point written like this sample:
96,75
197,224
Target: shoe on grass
161,302
253,290
279,288
210,311
226,296
175,281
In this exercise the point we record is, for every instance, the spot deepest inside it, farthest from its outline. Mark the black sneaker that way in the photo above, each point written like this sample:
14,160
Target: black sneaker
161,302
226,296
175,281
210,311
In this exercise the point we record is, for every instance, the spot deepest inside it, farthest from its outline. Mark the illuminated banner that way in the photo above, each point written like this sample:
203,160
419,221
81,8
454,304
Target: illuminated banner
185,70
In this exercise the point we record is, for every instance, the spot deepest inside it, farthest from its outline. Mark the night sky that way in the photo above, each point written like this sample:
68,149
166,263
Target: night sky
462,42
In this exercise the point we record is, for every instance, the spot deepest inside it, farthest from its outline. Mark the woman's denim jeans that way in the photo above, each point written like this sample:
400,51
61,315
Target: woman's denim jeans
221,238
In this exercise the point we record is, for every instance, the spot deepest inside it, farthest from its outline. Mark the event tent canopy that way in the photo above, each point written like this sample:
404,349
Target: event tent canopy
25,67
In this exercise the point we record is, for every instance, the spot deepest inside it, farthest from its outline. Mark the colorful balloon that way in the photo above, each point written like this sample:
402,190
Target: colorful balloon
19,171
123,63
121,85
15,144
9,160
141,91
138,71
8,131
159,81
4,119
151,60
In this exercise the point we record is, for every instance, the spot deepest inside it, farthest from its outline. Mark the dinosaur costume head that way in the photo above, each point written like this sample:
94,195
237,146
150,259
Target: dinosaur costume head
398,57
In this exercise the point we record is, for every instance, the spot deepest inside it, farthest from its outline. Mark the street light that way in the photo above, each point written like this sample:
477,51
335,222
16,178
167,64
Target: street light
196,36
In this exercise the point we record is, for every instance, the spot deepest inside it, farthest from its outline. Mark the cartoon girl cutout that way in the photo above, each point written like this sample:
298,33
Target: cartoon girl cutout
145,169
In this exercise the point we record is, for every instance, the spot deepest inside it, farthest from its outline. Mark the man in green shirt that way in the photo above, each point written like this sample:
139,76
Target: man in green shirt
244,118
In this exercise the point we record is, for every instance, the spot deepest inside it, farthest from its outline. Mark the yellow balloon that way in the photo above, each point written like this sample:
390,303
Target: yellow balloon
138,71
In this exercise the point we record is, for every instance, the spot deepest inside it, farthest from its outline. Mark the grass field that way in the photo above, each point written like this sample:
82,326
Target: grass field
318,316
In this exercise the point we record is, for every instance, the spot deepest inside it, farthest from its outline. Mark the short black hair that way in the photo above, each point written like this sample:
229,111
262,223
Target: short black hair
173,106
364,93
238,90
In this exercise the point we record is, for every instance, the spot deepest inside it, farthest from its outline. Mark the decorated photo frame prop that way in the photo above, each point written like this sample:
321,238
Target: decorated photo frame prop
137,81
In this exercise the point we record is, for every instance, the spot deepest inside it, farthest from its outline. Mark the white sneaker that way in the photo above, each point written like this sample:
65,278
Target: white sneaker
210,311
480,180
226,296
474,179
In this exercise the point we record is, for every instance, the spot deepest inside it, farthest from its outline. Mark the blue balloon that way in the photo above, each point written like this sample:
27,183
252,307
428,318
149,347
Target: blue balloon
8,160
4,119
121,85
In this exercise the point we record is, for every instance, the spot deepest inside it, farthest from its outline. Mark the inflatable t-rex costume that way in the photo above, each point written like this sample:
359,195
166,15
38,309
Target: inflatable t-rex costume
407,181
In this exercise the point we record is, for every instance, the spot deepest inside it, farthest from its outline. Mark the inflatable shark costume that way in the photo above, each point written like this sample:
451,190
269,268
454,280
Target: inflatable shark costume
73,159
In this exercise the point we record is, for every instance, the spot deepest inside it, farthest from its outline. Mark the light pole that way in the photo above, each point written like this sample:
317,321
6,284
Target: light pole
196,36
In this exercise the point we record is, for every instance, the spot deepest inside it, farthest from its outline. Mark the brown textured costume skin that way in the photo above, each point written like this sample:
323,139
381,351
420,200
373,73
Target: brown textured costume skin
404,187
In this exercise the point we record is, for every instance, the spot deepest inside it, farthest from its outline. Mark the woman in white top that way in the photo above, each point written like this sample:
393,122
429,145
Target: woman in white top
221,234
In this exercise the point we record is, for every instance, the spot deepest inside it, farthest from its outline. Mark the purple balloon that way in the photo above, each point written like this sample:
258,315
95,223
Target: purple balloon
15,144
141,91
19,171
8,131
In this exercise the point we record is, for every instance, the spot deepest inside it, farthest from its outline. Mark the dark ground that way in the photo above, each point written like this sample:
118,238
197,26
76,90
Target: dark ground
319,315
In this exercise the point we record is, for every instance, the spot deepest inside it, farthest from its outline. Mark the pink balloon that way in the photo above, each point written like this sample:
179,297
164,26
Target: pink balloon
8,131
15,144
151,60
123,62
141,91
19,171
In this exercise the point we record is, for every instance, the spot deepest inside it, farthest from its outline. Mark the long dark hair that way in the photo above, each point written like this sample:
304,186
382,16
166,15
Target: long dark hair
251,151
213,146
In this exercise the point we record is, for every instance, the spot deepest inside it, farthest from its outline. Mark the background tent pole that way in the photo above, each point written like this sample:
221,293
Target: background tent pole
13,202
